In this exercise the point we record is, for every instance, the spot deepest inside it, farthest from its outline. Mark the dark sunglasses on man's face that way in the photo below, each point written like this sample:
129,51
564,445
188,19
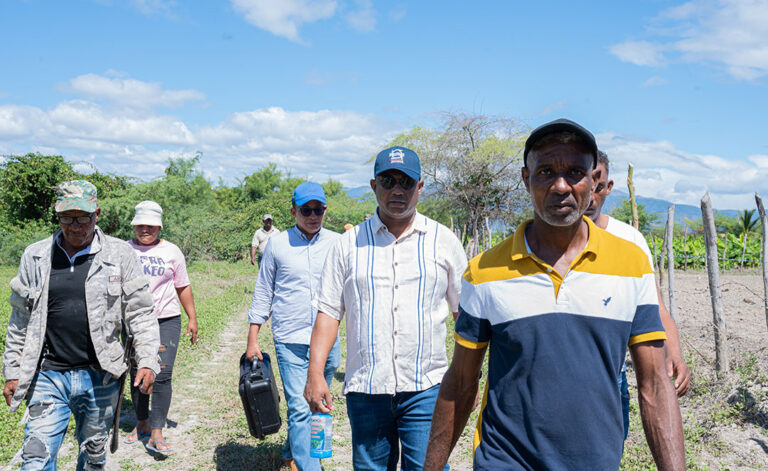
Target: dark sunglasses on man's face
305,211
82,220
389,182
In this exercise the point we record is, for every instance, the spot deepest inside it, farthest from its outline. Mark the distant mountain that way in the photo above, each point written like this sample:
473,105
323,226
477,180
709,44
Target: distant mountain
358,191
659,207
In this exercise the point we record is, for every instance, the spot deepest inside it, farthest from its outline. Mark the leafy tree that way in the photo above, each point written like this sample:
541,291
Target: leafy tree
724,223
26,185
473,163
747,224
262,183
623,212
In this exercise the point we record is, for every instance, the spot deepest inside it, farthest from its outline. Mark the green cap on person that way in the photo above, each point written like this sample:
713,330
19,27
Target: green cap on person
76,195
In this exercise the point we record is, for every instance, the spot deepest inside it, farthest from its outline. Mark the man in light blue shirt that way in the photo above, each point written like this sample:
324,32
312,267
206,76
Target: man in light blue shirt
286,287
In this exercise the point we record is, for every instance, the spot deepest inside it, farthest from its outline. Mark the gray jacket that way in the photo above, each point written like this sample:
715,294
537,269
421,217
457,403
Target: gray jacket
115,290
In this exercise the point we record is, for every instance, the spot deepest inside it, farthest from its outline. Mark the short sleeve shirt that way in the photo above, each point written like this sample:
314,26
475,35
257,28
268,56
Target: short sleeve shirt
627,232
556,346
261,237
166,269
395,294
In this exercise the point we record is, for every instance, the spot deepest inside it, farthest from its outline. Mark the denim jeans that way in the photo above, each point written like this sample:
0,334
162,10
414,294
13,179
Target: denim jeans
624,389
382,422
293,362
52,398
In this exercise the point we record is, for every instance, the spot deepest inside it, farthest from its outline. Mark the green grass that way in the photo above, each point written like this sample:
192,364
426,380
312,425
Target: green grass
10,430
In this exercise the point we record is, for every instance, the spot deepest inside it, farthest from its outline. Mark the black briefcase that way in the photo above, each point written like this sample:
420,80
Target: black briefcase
258,391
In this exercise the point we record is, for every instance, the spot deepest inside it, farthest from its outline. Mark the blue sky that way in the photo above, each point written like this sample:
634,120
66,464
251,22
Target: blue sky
318,86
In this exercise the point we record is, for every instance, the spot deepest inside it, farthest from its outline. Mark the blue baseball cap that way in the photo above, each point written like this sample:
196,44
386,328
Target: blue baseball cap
398,158
306,192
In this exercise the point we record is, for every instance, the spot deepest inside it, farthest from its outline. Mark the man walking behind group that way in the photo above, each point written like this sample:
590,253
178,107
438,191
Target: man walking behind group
676,367
260,238
286,286
557,305
73,292
389,277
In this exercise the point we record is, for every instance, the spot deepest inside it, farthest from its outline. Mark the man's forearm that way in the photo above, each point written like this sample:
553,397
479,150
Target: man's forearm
453,406
323,337
253,253
659,408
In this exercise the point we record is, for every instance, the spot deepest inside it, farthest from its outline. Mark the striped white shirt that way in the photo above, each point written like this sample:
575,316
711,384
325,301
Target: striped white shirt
392,293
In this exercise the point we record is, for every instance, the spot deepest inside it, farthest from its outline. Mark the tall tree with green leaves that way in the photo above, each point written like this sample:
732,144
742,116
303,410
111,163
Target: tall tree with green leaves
26,185
472,162
747,224
623,212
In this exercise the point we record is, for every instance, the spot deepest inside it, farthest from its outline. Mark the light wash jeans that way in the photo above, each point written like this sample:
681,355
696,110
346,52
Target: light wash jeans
293,363
53,397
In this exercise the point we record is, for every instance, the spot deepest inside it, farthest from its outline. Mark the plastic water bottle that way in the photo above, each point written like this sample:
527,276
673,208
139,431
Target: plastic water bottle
321,434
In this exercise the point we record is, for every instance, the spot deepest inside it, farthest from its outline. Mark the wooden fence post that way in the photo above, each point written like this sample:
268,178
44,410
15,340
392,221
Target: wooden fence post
685,249
655,255
718,315
764,223
671,259
632,201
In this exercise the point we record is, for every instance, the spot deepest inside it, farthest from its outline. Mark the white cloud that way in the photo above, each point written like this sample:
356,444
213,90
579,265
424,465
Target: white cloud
398,12
665,172
284,17
155,7
655,81
730,34
129,92
138,143
639,53
363,19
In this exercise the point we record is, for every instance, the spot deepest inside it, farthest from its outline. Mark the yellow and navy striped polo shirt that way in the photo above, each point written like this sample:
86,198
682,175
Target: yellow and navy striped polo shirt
556,347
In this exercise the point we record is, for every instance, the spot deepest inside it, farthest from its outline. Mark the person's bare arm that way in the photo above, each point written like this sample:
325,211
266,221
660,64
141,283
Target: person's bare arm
323,337
253,349
254,249
658,406
454,404
676,367
188,302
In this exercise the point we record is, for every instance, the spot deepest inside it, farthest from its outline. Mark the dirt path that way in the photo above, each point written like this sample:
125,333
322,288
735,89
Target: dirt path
190,410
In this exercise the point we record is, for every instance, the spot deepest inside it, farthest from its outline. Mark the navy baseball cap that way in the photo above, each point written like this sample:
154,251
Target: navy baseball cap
398,158
306,192
560,125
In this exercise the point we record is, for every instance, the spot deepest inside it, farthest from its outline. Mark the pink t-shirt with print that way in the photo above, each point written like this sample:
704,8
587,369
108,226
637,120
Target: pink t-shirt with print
164,266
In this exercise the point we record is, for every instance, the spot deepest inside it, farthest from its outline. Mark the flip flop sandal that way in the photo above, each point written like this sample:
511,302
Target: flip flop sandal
139,437
154,448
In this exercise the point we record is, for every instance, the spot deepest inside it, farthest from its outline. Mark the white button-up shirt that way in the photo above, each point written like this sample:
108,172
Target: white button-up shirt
393,292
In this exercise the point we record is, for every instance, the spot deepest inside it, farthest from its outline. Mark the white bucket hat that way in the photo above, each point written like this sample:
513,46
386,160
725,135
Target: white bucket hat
148,213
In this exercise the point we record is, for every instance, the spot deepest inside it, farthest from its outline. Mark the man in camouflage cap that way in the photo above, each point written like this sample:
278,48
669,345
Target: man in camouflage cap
73,293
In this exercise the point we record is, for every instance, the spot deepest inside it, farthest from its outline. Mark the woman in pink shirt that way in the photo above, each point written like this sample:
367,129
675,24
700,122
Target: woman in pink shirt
165,268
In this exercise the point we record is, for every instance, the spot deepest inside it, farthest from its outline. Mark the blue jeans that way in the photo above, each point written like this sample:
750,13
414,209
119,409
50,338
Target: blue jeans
382,422
293,362
52,398
624,389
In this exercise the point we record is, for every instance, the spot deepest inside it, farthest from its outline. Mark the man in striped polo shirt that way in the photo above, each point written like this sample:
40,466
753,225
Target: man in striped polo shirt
557,305
389,277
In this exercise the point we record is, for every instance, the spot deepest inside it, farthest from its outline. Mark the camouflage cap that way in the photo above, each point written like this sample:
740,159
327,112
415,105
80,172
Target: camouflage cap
76,195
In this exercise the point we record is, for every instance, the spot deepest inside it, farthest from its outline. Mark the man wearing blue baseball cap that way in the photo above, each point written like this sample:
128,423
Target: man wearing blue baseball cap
389,277
289,274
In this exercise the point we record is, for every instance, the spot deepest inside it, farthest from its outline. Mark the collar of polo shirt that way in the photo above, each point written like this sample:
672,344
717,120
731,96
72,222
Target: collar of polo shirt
519,249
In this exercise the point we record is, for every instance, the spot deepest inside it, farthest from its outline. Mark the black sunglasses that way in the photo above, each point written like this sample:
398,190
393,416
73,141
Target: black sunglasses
82,220
305,211
389,182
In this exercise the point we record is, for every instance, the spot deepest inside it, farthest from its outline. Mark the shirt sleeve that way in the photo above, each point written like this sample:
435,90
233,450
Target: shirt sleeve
330,298
180,275
472,329
641,242
457,264
646,325
255,241
264,290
